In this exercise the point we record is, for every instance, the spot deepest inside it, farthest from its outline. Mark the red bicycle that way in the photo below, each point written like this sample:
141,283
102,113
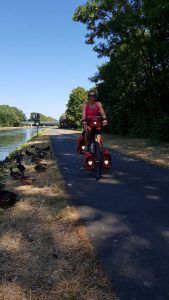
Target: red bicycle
97,158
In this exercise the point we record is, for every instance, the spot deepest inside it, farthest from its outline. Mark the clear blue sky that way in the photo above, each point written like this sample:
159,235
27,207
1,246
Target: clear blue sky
43,55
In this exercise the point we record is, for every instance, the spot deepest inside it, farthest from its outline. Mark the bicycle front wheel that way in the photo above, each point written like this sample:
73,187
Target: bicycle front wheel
98,160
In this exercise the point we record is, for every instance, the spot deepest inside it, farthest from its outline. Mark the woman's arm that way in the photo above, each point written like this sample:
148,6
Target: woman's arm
84,111
101,110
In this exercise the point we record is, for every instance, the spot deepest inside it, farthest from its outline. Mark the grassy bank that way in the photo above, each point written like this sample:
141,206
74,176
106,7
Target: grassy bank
45,252
147,149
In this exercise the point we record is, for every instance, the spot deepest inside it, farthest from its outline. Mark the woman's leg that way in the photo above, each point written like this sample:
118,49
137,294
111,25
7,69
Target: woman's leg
87,136
99,140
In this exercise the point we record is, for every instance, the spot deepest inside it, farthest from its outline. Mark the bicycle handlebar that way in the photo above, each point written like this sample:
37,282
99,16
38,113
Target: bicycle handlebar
94,121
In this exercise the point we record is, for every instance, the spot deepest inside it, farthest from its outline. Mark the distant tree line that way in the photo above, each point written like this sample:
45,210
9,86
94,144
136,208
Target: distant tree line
43,118
134,82
11,116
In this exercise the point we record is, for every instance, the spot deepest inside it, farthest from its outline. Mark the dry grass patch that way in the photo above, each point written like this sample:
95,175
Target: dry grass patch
44,252
142,148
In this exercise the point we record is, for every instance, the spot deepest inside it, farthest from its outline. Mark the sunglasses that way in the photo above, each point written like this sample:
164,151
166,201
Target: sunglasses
92,95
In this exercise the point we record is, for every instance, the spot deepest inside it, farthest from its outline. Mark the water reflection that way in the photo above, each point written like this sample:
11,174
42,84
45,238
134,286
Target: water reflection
12,139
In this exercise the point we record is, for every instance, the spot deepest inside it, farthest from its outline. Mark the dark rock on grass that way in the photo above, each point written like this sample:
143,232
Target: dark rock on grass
21,167
40,168
27,180
7,199
15,175
2,185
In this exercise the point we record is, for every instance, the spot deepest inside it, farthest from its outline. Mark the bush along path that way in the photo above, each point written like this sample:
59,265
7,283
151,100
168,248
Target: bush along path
45,252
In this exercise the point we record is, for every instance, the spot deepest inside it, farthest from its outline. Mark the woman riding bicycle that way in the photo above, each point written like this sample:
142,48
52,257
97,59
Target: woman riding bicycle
92,108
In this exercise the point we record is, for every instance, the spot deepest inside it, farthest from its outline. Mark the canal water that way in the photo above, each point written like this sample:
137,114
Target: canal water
12,139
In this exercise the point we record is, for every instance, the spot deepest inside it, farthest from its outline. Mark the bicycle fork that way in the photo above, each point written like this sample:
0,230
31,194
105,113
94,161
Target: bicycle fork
98,159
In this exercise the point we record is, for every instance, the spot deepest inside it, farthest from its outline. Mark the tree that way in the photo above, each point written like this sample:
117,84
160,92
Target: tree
74,106
134,83
11,116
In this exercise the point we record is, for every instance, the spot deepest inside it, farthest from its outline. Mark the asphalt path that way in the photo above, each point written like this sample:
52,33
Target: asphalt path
126,214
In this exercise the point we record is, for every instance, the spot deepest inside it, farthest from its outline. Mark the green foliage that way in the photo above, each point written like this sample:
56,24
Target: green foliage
43,118
134,84
161,128
11,116
74,106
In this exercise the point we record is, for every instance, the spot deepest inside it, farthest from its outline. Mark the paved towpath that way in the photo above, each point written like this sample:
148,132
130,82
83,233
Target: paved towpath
126,214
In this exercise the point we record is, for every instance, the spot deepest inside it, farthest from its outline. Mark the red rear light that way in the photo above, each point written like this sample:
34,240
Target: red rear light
106,160
80,145
88,161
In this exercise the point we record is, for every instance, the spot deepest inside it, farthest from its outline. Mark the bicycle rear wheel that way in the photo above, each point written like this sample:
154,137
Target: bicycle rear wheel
98,160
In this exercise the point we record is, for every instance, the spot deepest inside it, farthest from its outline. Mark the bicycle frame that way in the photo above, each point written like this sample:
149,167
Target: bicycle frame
96,158
94,146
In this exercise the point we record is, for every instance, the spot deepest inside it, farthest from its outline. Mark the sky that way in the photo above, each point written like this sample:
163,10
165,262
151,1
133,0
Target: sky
43,55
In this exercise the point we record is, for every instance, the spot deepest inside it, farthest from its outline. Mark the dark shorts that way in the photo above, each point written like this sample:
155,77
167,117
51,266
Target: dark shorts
97,131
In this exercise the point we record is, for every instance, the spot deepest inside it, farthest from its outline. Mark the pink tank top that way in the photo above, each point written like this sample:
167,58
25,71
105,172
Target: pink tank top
91,110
